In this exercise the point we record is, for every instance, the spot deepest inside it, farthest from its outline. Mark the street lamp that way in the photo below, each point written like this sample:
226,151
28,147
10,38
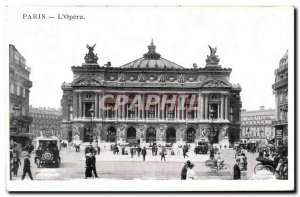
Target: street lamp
91,129
248,133
212,130
261,132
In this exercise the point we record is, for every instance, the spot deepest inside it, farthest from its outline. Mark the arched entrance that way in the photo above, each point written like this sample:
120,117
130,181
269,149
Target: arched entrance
171,135
87,134
151,135
190,135
111,135
131,133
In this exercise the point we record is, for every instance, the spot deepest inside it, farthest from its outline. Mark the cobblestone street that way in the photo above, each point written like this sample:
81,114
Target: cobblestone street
123,167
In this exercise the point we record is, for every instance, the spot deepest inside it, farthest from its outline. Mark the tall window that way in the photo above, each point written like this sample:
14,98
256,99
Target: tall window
24,92
70,112
151,112
131,113
18,90
231,113
12,88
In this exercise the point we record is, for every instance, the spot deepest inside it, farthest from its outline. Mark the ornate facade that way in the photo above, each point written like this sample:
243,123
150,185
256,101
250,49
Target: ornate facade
256,125
45,119
280,89
175,104
19,89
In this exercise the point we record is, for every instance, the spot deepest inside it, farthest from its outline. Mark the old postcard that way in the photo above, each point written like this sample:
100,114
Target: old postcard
149,98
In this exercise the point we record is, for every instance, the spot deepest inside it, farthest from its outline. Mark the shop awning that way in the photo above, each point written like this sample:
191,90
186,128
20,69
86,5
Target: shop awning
15,134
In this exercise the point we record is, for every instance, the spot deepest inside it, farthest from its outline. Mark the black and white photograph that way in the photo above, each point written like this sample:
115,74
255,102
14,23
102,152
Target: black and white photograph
149,98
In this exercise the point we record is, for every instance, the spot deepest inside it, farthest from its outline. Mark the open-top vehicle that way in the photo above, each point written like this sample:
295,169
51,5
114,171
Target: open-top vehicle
47,151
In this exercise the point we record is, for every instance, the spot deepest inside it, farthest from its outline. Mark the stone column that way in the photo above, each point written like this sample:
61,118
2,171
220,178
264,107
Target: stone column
202,113
222,107
218,111
143,106
75,111
99,107
206,107
226,107
96,105
123,112
159,108
80,105
175,111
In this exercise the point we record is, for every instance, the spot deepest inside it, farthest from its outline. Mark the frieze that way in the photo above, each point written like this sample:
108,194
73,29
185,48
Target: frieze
142,78
162,78
88,82
215,83
122,78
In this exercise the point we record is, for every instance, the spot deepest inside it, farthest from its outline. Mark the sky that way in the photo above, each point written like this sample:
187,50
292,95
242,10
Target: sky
250,40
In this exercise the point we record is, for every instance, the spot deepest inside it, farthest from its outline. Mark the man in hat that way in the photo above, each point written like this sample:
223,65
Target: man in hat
236,170
144,153
26,168
184,170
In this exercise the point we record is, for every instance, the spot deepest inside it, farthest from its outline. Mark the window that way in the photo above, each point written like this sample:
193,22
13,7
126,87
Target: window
24,92
151,112
70,112
18,90
12,88
131,113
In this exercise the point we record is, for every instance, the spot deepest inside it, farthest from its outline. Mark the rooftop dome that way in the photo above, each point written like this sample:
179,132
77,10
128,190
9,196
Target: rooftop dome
152,59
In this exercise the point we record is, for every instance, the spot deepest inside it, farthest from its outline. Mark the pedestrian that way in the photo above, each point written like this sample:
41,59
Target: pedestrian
93,160
163,153
123,150
156,149
139,149
153,150
117,149
26,167
184,170
144,153
98,149
184,151
89,165
236,170
131,151
191,175
16,164
211,153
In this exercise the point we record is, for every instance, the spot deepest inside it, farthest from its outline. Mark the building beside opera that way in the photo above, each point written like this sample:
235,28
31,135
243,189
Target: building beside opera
205,104
19,91
45,119
256,125
280,89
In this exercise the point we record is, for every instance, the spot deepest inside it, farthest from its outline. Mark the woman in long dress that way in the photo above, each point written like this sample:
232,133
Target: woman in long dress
191,175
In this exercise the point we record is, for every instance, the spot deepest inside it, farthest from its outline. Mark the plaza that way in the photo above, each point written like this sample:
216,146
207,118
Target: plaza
122,167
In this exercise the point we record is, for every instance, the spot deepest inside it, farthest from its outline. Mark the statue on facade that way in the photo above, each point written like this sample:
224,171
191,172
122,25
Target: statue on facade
212,59
91,57
195,65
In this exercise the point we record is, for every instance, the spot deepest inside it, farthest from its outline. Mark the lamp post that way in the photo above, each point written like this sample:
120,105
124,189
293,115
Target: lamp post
261,132
211,132
248,133
91,128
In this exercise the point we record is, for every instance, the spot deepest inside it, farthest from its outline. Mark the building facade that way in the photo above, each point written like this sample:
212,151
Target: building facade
19,90
45,119
256,125
171,104
280,89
